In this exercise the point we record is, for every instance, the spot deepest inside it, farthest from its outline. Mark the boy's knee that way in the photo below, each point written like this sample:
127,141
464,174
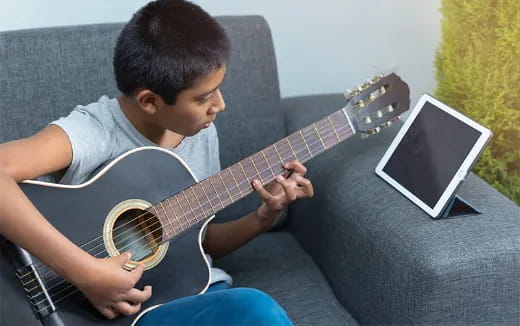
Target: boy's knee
258,308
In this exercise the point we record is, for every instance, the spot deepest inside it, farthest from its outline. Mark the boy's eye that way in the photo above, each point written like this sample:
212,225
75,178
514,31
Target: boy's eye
204,99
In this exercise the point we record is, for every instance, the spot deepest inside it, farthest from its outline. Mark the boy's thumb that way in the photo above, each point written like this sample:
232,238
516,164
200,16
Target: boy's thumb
124,260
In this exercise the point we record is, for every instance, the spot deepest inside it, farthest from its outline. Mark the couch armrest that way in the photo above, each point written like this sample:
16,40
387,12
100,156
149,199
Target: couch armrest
386,260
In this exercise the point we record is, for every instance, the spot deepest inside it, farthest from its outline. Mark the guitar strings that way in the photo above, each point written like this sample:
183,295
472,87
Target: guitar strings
300,151
311,128
74,290
204,213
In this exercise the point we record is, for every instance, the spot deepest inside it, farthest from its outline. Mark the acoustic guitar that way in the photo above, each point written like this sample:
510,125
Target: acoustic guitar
148,201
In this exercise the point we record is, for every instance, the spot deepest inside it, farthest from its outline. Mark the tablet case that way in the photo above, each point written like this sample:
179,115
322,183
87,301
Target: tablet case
458,207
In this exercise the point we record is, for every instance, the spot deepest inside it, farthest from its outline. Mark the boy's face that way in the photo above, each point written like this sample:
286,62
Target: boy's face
196,107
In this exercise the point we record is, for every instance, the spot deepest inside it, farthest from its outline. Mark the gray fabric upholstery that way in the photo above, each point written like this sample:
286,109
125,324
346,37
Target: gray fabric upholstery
276,264
387,261
45,73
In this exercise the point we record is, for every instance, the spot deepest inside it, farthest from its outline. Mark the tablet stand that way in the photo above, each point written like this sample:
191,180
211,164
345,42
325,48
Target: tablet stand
458,207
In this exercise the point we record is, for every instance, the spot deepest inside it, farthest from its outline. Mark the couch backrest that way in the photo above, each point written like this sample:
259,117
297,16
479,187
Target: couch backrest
45,73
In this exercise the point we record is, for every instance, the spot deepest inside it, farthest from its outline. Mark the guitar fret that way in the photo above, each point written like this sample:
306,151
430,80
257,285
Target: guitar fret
227,176
313,140
209,200
307,145
288,142
276,166
243,171
277,152
225,186
183,211
257,171
204,214
262,166
168,218
269,165
319,136
221,190
341,120
174,214
238,186
296,140
334,129
243,186
197,210
191,208
216,192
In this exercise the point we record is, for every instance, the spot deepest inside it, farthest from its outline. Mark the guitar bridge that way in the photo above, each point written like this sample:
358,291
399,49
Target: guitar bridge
35,291
39,300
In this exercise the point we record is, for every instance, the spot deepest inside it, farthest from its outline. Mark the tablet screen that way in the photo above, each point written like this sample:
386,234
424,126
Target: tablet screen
430,153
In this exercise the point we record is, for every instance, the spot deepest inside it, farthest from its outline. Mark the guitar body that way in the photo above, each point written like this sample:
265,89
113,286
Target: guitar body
80,213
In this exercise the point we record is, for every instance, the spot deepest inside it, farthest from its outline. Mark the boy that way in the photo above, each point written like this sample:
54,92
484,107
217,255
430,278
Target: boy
169,62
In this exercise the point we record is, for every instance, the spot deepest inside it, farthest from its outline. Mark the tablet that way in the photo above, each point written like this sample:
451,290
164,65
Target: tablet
432,153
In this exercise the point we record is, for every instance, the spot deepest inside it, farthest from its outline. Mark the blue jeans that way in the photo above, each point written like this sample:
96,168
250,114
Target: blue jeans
220,305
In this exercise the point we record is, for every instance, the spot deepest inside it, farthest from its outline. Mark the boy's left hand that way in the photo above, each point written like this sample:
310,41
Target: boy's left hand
278,194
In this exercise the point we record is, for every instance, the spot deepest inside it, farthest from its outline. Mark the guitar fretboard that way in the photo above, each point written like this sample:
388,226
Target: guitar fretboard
203,199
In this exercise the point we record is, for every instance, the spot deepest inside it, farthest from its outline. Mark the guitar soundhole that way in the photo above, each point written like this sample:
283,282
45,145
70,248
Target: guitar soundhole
138,231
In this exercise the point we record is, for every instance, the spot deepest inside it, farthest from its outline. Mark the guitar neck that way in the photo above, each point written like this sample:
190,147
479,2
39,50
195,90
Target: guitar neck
203,199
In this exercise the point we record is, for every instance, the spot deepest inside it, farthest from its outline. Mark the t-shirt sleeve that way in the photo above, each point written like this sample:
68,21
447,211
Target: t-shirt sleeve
89,136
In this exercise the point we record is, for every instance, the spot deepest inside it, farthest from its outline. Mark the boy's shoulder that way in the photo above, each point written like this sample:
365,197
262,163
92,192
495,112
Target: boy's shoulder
96,115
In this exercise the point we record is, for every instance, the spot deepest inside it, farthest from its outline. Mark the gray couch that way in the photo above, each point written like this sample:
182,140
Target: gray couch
358,252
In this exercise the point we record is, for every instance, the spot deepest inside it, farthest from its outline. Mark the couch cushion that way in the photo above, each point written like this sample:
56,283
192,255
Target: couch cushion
387,260
276,264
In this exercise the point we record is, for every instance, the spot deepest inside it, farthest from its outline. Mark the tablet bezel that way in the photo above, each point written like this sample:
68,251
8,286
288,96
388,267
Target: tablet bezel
461,173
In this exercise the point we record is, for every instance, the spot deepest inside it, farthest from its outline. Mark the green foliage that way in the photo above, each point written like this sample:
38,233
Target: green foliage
478,73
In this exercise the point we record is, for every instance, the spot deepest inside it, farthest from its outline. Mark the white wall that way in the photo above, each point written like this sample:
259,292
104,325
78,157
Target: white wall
321,46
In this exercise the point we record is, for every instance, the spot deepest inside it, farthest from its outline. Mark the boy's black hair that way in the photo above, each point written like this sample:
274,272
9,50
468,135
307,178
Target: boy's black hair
166,46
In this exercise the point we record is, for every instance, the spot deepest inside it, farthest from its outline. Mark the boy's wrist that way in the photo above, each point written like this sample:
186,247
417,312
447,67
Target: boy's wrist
267,217
82,272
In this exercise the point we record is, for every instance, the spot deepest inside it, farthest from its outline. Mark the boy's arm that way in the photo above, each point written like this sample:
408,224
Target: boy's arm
222,238
104,282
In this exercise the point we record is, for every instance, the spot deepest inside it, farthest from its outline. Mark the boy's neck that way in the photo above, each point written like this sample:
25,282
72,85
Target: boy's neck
141,121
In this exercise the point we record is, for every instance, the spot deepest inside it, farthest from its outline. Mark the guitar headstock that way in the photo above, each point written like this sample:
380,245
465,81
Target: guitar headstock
377,103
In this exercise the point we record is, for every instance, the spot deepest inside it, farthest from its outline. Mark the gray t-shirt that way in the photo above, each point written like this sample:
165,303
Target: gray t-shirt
100,132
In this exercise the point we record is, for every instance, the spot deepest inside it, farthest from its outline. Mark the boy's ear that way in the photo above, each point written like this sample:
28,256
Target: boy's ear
149,101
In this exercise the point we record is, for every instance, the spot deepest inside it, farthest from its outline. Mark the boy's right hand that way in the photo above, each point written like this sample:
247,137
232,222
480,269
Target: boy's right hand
110,288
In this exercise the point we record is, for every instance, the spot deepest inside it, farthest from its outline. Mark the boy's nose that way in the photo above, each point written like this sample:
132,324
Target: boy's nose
220,104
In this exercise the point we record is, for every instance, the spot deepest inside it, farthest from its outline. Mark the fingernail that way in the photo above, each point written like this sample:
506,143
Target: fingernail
256,182
128,254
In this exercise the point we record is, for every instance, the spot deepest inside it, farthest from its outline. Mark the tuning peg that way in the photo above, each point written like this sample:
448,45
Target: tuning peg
372,97
382,90
387,124
374,131
377,78
366,84
361,103
348,94
379,114
390,108
367,120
